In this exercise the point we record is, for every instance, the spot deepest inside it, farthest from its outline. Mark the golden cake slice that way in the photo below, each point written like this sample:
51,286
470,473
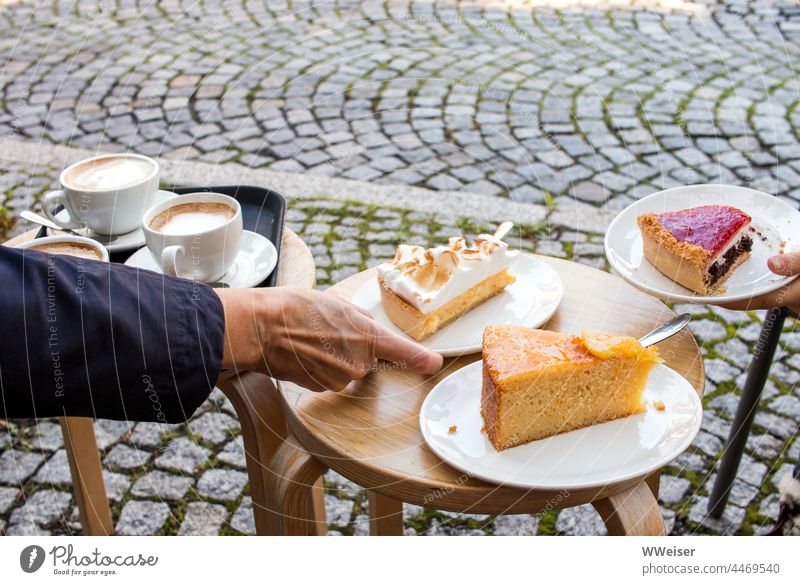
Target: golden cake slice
538,383
422,290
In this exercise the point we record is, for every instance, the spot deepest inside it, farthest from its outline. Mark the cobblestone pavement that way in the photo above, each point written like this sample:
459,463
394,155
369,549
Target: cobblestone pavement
604,99
190,478
600,103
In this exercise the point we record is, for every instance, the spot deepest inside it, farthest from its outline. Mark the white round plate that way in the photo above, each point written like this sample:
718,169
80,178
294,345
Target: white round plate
254,263
590,457
530,301
774,219
119,243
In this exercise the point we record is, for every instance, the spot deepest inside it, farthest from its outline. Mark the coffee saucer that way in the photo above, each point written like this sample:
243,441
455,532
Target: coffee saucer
255,262
118,243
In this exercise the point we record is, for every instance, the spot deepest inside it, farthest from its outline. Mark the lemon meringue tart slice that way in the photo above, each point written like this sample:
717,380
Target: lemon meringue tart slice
539,383
422,290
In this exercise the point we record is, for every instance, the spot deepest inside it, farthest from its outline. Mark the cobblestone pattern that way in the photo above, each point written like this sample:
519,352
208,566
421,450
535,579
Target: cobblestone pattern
190,478
605,104
605,101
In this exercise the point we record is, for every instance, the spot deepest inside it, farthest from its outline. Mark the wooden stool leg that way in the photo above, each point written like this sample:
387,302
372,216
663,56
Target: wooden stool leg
633,512
654,482
254,397
294,488
87,475
318,525
385,515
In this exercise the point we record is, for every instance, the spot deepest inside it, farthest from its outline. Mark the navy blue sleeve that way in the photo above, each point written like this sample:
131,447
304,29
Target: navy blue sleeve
86,338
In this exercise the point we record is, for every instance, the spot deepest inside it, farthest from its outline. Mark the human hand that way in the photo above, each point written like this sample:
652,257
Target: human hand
315,339
786,296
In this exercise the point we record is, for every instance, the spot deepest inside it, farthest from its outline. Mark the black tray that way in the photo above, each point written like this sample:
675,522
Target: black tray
263,212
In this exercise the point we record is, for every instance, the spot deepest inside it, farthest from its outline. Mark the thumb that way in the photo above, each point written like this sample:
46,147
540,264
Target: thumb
396,348
785,264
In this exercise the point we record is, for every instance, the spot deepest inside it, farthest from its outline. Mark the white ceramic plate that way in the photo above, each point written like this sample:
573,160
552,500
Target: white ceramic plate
254,263
120,243
589,457
774,219
530,301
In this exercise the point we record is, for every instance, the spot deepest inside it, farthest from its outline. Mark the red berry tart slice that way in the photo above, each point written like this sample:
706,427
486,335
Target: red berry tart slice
699,247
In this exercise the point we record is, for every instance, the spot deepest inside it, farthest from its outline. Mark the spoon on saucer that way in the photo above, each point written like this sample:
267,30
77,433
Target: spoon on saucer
43,221
666,330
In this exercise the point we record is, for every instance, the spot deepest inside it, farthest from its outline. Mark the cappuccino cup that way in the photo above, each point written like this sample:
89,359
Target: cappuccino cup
108,194
77,246
195,236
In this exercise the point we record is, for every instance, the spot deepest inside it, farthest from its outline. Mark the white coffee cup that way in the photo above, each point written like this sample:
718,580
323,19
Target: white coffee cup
194,237
62,245
108,194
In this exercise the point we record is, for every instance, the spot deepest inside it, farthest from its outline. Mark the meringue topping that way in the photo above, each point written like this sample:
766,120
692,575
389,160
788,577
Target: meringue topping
427,278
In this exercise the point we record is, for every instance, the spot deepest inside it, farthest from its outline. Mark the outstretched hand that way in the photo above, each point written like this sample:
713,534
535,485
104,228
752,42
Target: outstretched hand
315,339
787,296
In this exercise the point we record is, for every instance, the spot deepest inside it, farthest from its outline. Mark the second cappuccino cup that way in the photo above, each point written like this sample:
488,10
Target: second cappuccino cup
195,236
108,194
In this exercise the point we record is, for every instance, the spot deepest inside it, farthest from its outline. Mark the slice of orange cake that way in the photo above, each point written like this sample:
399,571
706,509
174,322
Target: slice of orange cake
540,383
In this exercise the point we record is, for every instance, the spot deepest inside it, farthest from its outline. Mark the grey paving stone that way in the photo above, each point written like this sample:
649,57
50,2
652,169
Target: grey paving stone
162,485
339,510
214,427
243,519
729,523
182,454
706,330
233,453
149,435
48,436
55,470
17,466
516,525
42,508
126,457
581,520
222,484
320,113
142,518
7,497
672,490
203,519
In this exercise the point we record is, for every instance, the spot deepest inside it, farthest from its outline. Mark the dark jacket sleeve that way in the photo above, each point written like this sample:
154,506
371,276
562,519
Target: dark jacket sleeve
86,338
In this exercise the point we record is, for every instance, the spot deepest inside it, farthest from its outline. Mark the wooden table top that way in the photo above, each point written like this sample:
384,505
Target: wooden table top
370,432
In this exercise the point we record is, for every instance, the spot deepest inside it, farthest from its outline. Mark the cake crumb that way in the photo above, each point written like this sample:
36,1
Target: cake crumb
452,429
659,405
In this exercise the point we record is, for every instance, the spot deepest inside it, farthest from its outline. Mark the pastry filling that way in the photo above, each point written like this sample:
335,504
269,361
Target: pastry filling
721,267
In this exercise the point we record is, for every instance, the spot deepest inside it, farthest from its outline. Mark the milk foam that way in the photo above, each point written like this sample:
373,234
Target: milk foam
192,222
109,173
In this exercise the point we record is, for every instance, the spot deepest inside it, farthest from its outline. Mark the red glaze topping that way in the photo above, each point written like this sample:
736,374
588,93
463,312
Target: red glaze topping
711,226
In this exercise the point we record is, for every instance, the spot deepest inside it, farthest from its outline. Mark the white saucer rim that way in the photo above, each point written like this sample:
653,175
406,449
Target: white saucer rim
133,259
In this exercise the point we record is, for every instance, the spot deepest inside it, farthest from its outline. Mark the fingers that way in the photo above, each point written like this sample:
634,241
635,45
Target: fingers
396,348
763,302
786,295
785,264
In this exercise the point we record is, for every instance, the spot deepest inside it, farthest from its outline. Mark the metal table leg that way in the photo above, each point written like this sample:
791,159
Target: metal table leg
754,384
